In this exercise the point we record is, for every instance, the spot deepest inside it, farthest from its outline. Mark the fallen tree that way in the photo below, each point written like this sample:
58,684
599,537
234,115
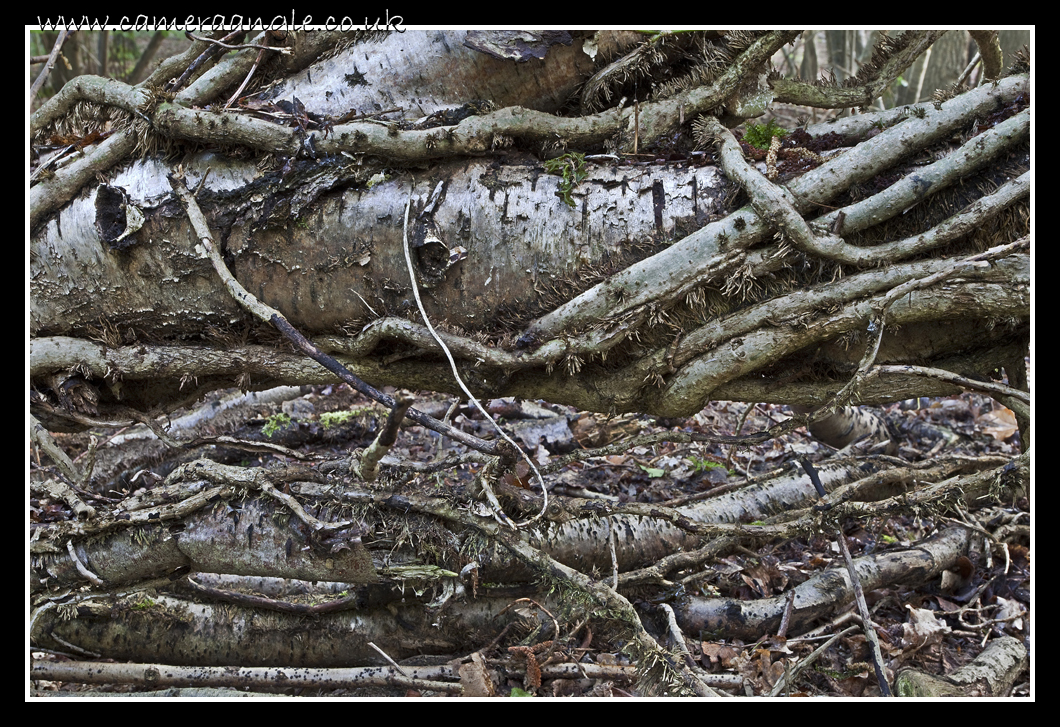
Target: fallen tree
474,231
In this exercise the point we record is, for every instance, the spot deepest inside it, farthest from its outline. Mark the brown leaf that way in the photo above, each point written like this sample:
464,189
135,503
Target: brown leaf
475,679
721,654
999,424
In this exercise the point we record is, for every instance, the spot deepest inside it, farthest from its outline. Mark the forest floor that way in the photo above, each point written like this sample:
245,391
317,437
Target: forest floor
921,628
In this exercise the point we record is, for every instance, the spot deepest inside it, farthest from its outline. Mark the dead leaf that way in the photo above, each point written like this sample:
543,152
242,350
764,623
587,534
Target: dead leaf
721,654
922,629
475,679
999,424
1013,609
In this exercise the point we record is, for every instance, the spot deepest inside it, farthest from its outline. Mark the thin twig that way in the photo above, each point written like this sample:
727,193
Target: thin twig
369,467
990,388
43,439
81,568
785,620
676,634
614,556
240,46
460,381
855,582
391,661
246,79
210,52
866,617
790,676
318,526
52,57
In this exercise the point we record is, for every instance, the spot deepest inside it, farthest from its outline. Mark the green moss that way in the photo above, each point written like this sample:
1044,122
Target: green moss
330,419
376,179
702,465
571,167
275,423
760,136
